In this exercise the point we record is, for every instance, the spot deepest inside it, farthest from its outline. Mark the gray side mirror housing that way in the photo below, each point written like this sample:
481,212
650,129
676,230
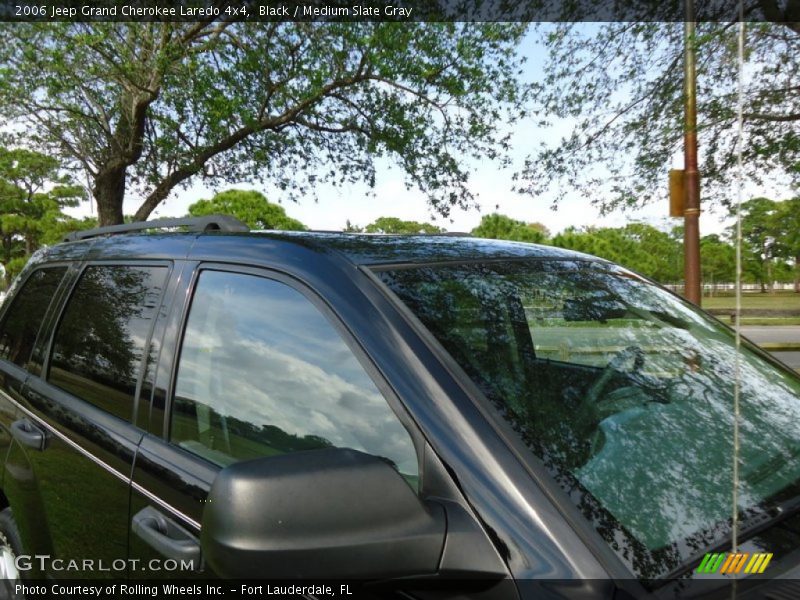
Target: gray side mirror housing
331,513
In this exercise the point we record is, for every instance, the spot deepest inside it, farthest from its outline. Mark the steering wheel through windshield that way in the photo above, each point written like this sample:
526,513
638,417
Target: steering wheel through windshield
595,391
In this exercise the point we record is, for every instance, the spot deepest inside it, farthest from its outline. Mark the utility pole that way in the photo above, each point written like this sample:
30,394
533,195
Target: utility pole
691,236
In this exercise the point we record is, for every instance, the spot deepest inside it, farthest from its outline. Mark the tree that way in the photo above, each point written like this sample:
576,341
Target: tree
605,242
717,260
638,246
145,107
760,228
665,251
249,206
352,228
500,227
33,192
788,236
395,225
619,88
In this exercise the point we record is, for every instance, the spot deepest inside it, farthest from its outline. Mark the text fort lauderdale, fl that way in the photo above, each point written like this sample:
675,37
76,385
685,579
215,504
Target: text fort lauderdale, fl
167,589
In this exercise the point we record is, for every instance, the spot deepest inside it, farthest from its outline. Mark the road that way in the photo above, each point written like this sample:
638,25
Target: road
776,333
772,333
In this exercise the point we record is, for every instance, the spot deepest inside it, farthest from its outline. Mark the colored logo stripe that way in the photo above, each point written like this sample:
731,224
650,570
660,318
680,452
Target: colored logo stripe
726,563
758,563
711,562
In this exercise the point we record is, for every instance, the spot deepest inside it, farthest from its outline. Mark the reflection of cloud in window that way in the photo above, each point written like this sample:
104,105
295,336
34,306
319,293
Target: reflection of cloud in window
267,386
285,318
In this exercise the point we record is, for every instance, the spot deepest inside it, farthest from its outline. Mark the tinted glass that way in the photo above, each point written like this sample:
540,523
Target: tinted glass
625,394
99,344
24,317
262,372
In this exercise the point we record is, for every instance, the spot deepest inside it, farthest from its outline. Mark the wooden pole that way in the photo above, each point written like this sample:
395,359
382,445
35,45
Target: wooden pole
691,239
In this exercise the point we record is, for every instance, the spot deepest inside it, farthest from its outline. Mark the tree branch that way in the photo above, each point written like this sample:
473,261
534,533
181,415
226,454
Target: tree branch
769,117
316,126
184,172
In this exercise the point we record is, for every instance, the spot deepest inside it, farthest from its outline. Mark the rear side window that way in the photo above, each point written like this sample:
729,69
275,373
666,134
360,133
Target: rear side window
100,341
24,318
263,372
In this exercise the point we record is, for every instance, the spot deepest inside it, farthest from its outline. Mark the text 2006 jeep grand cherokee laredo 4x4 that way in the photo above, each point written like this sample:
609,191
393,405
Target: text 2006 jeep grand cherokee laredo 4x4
445,415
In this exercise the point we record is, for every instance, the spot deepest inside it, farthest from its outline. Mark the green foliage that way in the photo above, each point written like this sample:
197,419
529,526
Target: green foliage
638,246
395,225
758,219
769,236
769,239
145,107
717,260
788,233
55,229
788,237
249,206
33,193
13,268
500,227
619,87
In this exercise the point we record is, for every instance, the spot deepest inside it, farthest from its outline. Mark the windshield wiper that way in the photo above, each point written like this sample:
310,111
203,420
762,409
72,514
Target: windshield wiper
756,524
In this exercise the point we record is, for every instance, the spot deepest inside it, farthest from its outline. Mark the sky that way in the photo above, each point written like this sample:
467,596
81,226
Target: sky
338,204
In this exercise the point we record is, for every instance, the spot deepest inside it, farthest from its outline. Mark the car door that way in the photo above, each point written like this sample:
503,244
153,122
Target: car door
260,368
21,323
82,402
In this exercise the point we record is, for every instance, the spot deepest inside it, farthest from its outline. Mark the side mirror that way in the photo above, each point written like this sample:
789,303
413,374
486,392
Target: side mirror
332,513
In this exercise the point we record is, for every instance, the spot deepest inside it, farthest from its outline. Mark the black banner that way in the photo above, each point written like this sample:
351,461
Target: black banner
434,587
393,10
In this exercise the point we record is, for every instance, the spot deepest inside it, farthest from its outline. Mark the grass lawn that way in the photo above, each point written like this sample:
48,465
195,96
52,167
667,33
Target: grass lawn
777,301
769,320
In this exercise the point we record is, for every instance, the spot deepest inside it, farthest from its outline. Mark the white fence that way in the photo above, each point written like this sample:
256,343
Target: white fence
709,289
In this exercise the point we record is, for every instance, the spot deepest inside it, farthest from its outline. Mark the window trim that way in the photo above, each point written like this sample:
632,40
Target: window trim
58,316
331,316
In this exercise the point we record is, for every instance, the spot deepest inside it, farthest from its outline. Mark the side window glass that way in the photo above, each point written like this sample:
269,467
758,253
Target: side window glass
100,341
24,318
262,372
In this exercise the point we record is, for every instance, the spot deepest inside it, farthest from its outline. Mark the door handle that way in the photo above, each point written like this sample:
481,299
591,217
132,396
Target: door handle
166,536
28,434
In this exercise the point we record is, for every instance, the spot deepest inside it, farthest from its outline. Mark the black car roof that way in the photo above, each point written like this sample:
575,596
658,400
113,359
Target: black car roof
359,249
370,249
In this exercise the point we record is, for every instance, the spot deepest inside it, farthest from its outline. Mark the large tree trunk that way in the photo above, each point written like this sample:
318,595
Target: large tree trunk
7,242
770,277
109,192
109,184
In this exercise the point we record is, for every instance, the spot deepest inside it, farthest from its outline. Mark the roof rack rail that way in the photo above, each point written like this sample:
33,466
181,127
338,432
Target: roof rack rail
207,223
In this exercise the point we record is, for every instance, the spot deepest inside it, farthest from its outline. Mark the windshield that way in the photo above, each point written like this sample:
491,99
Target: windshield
624,392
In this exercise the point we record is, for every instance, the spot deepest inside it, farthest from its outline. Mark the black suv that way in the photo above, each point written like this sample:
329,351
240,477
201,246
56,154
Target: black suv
442,414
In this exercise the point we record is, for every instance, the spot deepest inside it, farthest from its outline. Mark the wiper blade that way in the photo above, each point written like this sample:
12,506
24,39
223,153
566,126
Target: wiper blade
770,467
753,526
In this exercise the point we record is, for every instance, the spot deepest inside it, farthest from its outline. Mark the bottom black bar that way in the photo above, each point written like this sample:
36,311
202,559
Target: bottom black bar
433,588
